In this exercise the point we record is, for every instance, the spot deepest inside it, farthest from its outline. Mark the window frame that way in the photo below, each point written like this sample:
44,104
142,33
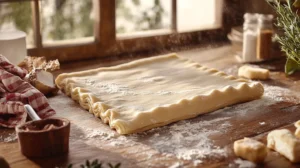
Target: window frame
106,43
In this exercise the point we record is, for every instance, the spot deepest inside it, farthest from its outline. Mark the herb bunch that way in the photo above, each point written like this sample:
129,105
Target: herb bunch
96,164
288,21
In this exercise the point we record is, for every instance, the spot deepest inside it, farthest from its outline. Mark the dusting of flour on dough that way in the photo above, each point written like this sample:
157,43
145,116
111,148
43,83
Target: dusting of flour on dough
112,88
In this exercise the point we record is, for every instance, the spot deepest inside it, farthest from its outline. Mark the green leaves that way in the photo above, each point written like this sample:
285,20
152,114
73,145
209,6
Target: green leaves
291,66
96,164
19,13
288,22
116,166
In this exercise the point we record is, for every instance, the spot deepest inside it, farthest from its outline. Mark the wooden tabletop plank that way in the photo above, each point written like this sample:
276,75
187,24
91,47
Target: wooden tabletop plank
273,159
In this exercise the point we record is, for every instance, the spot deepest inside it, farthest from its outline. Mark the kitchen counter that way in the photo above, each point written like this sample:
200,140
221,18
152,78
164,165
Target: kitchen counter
204,141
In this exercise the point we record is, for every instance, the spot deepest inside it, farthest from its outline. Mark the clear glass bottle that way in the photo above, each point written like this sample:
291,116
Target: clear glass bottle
249,38
264,37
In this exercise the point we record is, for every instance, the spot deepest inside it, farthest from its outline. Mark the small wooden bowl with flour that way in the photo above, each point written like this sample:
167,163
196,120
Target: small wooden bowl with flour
44,138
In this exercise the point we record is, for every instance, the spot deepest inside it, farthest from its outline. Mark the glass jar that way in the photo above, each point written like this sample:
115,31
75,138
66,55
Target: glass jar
264,37
249,37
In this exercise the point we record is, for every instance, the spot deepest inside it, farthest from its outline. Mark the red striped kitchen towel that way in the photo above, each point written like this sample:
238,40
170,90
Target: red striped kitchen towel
15,92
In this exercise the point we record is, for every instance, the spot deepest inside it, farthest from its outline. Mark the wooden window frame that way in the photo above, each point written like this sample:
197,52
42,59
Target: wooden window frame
106,43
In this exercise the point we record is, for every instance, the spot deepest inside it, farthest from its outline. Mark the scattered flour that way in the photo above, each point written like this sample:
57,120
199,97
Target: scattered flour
99,133
112,137
243,164
197,162
176,165
9,138
279,94
185,140
262,123
191,139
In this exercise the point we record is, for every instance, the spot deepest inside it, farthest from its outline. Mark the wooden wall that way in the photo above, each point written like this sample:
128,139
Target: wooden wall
234,11
257,6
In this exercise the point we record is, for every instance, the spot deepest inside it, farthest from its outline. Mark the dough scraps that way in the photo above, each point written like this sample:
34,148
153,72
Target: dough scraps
250,149
156,91
285,143
253,72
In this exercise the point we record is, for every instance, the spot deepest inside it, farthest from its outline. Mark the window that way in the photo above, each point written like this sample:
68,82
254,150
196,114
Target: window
81,29
139,15
193,15
10,20
60,24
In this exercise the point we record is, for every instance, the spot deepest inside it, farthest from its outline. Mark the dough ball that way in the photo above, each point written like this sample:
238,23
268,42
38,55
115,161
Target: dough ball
253,72
250,149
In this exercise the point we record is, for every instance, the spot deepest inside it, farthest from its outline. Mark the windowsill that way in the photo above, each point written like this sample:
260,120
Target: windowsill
160,32
124,36
147,33
202,28
71,42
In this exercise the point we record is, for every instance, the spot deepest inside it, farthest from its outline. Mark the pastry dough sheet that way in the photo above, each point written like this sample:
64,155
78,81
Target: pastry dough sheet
156,91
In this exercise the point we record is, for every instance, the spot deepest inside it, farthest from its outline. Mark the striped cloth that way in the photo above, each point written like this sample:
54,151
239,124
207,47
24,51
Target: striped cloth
15,92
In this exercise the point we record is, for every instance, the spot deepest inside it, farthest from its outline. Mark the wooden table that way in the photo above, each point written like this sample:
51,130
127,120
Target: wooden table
210,136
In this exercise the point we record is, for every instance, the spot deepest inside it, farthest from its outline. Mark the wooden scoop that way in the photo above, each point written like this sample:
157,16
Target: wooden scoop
43,138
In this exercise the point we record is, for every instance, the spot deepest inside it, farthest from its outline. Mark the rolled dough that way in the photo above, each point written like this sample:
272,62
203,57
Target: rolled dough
156,91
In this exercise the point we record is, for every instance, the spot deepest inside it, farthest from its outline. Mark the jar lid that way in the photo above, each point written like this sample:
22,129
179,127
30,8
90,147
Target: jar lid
250,18
265,18
249,15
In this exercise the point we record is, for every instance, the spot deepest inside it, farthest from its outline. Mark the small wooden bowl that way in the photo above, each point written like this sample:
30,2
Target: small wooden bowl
44,138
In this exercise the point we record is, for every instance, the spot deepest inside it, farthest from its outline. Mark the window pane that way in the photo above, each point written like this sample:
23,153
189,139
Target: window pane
66,19
141,15
10,19
198,14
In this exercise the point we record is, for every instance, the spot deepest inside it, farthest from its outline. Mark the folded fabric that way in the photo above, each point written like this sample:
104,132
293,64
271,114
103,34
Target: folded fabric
15,92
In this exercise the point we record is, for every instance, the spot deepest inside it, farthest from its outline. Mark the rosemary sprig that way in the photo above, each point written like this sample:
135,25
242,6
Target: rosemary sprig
289,22
96,164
